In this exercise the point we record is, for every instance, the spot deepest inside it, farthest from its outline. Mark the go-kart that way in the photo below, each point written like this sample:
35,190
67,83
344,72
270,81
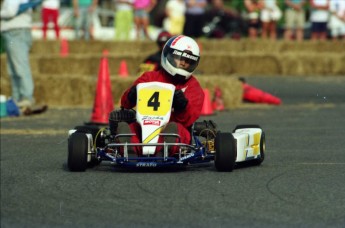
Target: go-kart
89,145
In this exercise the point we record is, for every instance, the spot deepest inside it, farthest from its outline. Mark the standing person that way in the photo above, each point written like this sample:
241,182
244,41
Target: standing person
83,14
195,20
337,20
270,15
294,19
142,8
123,19
175,16
50,12
253,8
179,59
319,19
16,32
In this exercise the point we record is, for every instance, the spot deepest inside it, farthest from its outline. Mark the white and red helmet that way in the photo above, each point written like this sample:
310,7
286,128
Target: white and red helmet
180,47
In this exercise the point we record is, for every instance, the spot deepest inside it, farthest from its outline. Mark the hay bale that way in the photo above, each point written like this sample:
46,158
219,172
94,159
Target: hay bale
86,64
256,64
315,65
79,91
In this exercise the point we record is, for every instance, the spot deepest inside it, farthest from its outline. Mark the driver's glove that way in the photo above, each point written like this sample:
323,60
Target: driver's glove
180,101
132,95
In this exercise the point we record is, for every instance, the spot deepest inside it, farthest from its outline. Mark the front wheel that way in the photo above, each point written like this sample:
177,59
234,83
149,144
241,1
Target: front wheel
262,150
77,152
226,153
261,158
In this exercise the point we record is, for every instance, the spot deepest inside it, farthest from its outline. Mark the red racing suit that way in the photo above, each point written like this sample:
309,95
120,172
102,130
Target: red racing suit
185,118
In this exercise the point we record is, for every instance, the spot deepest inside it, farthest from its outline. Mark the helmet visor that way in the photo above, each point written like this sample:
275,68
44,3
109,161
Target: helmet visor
184,60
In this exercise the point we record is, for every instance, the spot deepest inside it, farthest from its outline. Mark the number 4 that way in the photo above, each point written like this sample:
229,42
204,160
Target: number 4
154,101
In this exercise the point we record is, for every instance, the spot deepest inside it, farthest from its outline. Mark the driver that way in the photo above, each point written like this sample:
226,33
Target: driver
179,59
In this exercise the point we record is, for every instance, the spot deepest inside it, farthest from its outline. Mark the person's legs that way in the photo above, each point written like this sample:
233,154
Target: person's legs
175,128
87,24
289,24
45,21
119,25
55,18
300,22
273,30
137,21
125,128
128,21
123,24
265,19
145,25
18,44
77,25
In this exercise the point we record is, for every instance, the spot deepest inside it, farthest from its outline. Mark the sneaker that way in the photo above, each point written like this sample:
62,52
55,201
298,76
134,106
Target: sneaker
24,103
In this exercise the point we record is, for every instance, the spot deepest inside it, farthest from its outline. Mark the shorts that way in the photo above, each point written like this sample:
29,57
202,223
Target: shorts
336,26
319,27
294,19
141,13
270,15
255,24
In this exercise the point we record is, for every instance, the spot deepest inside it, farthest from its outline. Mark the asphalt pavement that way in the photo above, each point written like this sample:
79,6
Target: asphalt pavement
301,183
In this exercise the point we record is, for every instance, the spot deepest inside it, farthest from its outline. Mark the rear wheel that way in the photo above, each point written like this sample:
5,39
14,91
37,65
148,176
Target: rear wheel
225,152
77,152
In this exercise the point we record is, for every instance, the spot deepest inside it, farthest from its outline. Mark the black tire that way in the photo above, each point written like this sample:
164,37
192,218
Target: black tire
246,126
226,153
93,130
77,152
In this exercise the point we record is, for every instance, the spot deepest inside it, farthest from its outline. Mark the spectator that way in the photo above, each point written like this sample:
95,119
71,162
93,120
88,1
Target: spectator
50,12
195,20
180,57
337,20
83,14
16,32
142,8
253,8
294,19
221,20
319,18
270,15
175,16
123,19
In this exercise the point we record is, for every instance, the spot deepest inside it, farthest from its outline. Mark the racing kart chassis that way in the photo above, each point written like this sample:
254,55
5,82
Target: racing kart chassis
90,145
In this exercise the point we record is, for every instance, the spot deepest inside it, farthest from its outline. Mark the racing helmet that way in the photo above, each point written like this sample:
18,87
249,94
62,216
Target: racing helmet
180,48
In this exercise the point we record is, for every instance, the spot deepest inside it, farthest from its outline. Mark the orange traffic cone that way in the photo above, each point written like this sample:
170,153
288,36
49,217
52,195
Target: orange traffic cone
217,102
123,71
255,95
64,50
207,105
103,103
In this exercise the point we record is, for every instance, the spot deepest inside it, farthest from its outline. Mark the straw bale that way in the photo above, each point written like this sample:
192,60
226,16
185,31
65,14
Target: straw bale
256,64
79,91
303,64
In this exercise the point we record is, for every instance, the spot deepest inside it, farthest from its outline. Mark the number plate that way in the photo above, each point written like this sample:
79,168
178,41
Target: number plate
154,102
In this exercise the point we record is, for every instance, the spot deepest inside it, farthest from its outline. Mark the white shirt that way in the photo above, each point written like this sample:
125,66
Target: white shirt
176,8
51,4
9,20
338,7
124,6
319,15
